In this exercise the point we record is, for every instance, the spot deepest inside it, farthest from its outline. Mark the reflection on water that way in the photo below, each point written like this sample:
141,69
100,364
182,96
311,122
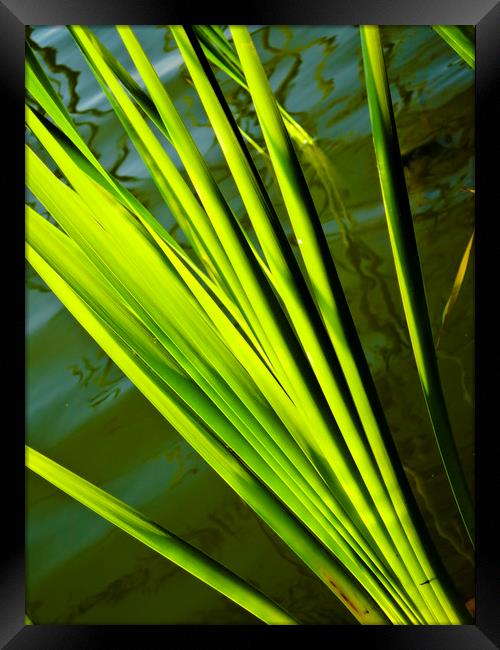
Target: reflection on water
102,373
86,415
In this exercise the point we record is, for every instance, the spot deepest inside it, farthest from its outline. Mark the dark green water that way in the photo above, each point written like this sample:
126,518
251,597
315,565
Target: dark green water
84,414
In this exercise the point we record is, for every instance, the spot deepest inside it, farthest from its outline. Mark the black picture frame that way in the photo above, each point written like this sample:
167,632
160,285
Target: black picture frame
14,16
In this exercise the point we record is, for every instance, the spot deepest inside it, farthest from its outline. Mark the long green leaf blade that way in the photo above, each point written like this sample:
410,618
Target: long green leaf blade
157,538
457,285
405,254
459,41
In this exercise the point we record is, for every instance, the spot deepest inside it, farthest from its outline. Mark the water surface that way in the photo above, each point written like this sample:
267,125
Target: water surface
84,414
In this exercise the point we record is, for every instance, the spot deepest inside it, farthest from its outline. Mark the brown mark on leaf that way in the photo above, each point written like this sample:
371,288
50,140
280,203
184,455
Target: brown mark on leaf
345,598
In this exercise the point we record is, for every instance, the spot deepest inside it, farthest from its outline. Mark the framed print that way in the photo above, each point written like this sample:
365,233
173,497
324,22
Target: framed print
251,375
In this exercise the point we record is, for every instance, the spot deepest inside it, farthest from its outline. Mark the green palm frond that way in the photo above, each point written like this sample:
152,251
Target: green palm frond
250,352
